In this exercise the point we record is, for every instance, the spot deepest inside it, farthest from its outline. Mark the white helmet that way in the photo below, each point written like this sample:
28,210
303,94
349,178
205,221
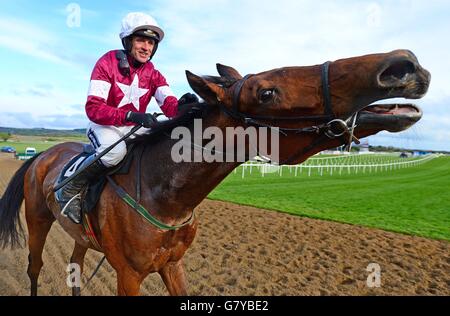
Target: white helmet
137,21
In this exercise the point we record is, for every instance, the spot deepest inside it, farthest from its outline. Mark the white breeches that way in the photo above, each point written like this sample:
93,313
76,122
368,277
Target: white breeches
103,136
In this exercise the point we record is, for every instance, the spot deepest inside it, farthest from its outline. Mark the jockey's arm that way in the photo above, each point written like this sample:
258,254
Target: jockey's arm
102,114
96,107
164,96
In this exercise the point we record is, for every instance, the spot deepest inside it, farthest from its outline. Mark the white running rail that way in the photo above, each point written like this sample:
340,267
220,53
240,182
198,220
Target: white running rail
353,164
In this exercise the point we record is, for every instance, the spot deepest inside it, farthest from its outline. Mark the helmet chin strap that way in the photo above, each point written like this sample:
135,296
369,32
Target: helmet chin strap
136,63
124,65
155,48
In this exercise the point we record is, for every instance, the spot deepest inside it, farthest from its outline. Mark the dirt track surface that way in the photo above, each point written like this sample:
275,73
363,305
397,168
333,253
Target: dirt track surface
243,250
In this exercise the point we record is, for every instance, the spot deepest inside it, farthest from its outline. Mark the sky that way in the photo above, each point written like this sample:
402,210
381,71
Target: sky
48,49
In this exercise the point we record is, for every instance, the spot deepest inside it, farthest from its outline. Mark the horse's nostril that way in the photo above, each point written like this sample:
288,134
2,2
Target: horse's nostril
397,71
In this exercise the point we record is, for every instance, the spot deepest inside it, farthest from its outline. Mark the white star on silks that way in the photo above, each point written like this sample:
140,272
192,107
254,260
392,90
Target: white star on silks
132,93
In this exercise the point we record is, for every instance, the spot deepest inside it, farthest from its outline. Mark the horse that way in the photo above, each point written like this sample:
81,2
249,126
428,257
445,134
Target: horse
309,107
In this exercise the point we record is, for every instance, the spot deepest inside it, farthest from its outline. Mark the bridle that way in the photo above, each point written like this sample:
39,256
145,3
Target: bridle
333,127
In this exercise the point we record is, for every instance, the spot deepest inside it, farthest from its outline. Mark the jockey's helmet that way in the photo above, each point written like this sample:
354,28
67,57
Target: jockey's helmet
140,24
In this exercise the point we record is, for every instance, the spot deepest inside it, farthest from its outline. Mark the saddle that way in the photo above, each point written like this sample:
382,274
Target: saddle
91,194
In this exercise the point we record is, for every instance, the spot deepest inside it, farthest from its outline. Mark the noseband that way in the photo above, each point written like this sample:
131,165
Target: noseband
331,129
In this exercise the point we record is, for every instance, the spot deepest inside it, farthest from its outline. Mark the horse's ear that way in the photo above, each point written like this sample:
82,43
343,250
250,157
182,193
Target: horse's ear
228,72
208,90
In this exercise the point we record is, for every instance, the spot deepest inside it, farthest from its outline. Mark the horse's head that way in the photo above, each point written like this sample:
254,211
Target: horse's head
302,101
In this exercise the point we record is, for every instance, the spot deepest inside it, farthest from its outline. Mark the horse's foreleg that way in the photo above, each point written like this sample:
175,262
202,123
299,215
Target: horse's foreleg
174,278
128,282
78,258
38,230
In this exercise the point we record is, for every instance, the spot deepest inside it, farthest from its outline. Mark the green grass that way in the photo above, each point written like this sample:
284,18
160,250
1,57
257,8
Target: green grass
21,146
413,200
40,143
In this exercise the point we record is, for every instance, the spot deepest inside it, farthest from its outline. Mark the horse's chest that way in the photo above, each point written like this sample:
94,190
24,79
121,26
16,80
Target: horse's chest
156,250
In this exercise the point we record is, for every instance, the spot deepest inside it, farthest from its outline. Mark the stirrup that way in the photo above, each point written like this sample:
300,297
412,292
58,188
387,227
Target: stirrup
70,215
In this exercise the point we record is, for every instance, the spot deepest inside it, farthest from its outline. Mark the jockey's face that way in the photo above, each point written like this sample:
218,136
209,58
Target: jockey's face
142,48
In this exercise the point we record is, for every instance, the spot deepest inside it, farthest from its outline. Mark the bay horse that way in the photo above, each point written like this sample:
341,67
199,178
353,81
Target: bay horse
300,101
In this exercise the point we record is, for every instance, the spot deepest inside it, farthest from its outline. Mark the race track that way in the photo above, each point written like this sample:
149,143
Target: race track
241,250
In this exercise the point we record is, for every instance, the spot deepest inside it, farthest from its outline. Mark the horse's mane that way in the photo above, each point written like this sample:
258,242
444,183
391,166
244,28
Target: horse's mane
186,115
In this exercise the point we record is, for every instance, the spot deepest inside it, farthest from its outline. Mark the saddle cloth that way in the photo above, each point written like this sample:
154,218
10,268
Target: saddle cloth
91,194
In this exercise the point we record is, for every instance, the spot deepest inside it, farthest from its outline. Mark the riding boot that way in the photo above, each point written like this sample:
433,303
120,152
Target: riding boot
69,196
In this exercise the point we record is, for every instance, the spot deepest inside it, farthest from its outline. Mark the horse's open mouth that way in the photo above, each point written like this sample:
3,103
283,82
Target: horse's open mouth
391,117
409,109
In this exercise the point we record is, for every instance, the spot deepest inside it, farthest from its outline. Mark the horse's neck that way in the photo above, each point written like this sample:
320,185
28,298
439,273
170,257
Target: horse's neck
179,187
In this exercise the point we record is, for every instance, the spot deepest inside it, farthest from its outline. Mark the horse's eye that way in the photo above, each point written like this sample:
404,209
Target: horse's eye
266,95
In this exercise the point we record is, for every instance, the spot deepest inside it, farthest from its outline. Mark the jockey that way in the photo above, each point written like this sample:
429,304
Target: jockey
122,85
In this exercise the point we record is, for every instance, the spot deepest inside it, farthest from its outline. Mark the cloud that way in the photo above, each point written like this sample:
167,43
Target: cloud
42,99
252,36
39,90
77,107
72,7
57,121
109,39
255,36
29,39
431,132
260,36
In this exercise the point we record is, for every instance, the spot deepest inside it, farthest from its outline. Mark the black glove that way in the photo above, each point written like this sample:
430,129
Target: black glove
188,103
187,98
145,119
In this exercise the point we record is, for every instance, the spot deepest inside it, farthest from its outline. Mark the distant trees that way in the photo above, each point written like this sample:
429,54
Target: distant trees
5,136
